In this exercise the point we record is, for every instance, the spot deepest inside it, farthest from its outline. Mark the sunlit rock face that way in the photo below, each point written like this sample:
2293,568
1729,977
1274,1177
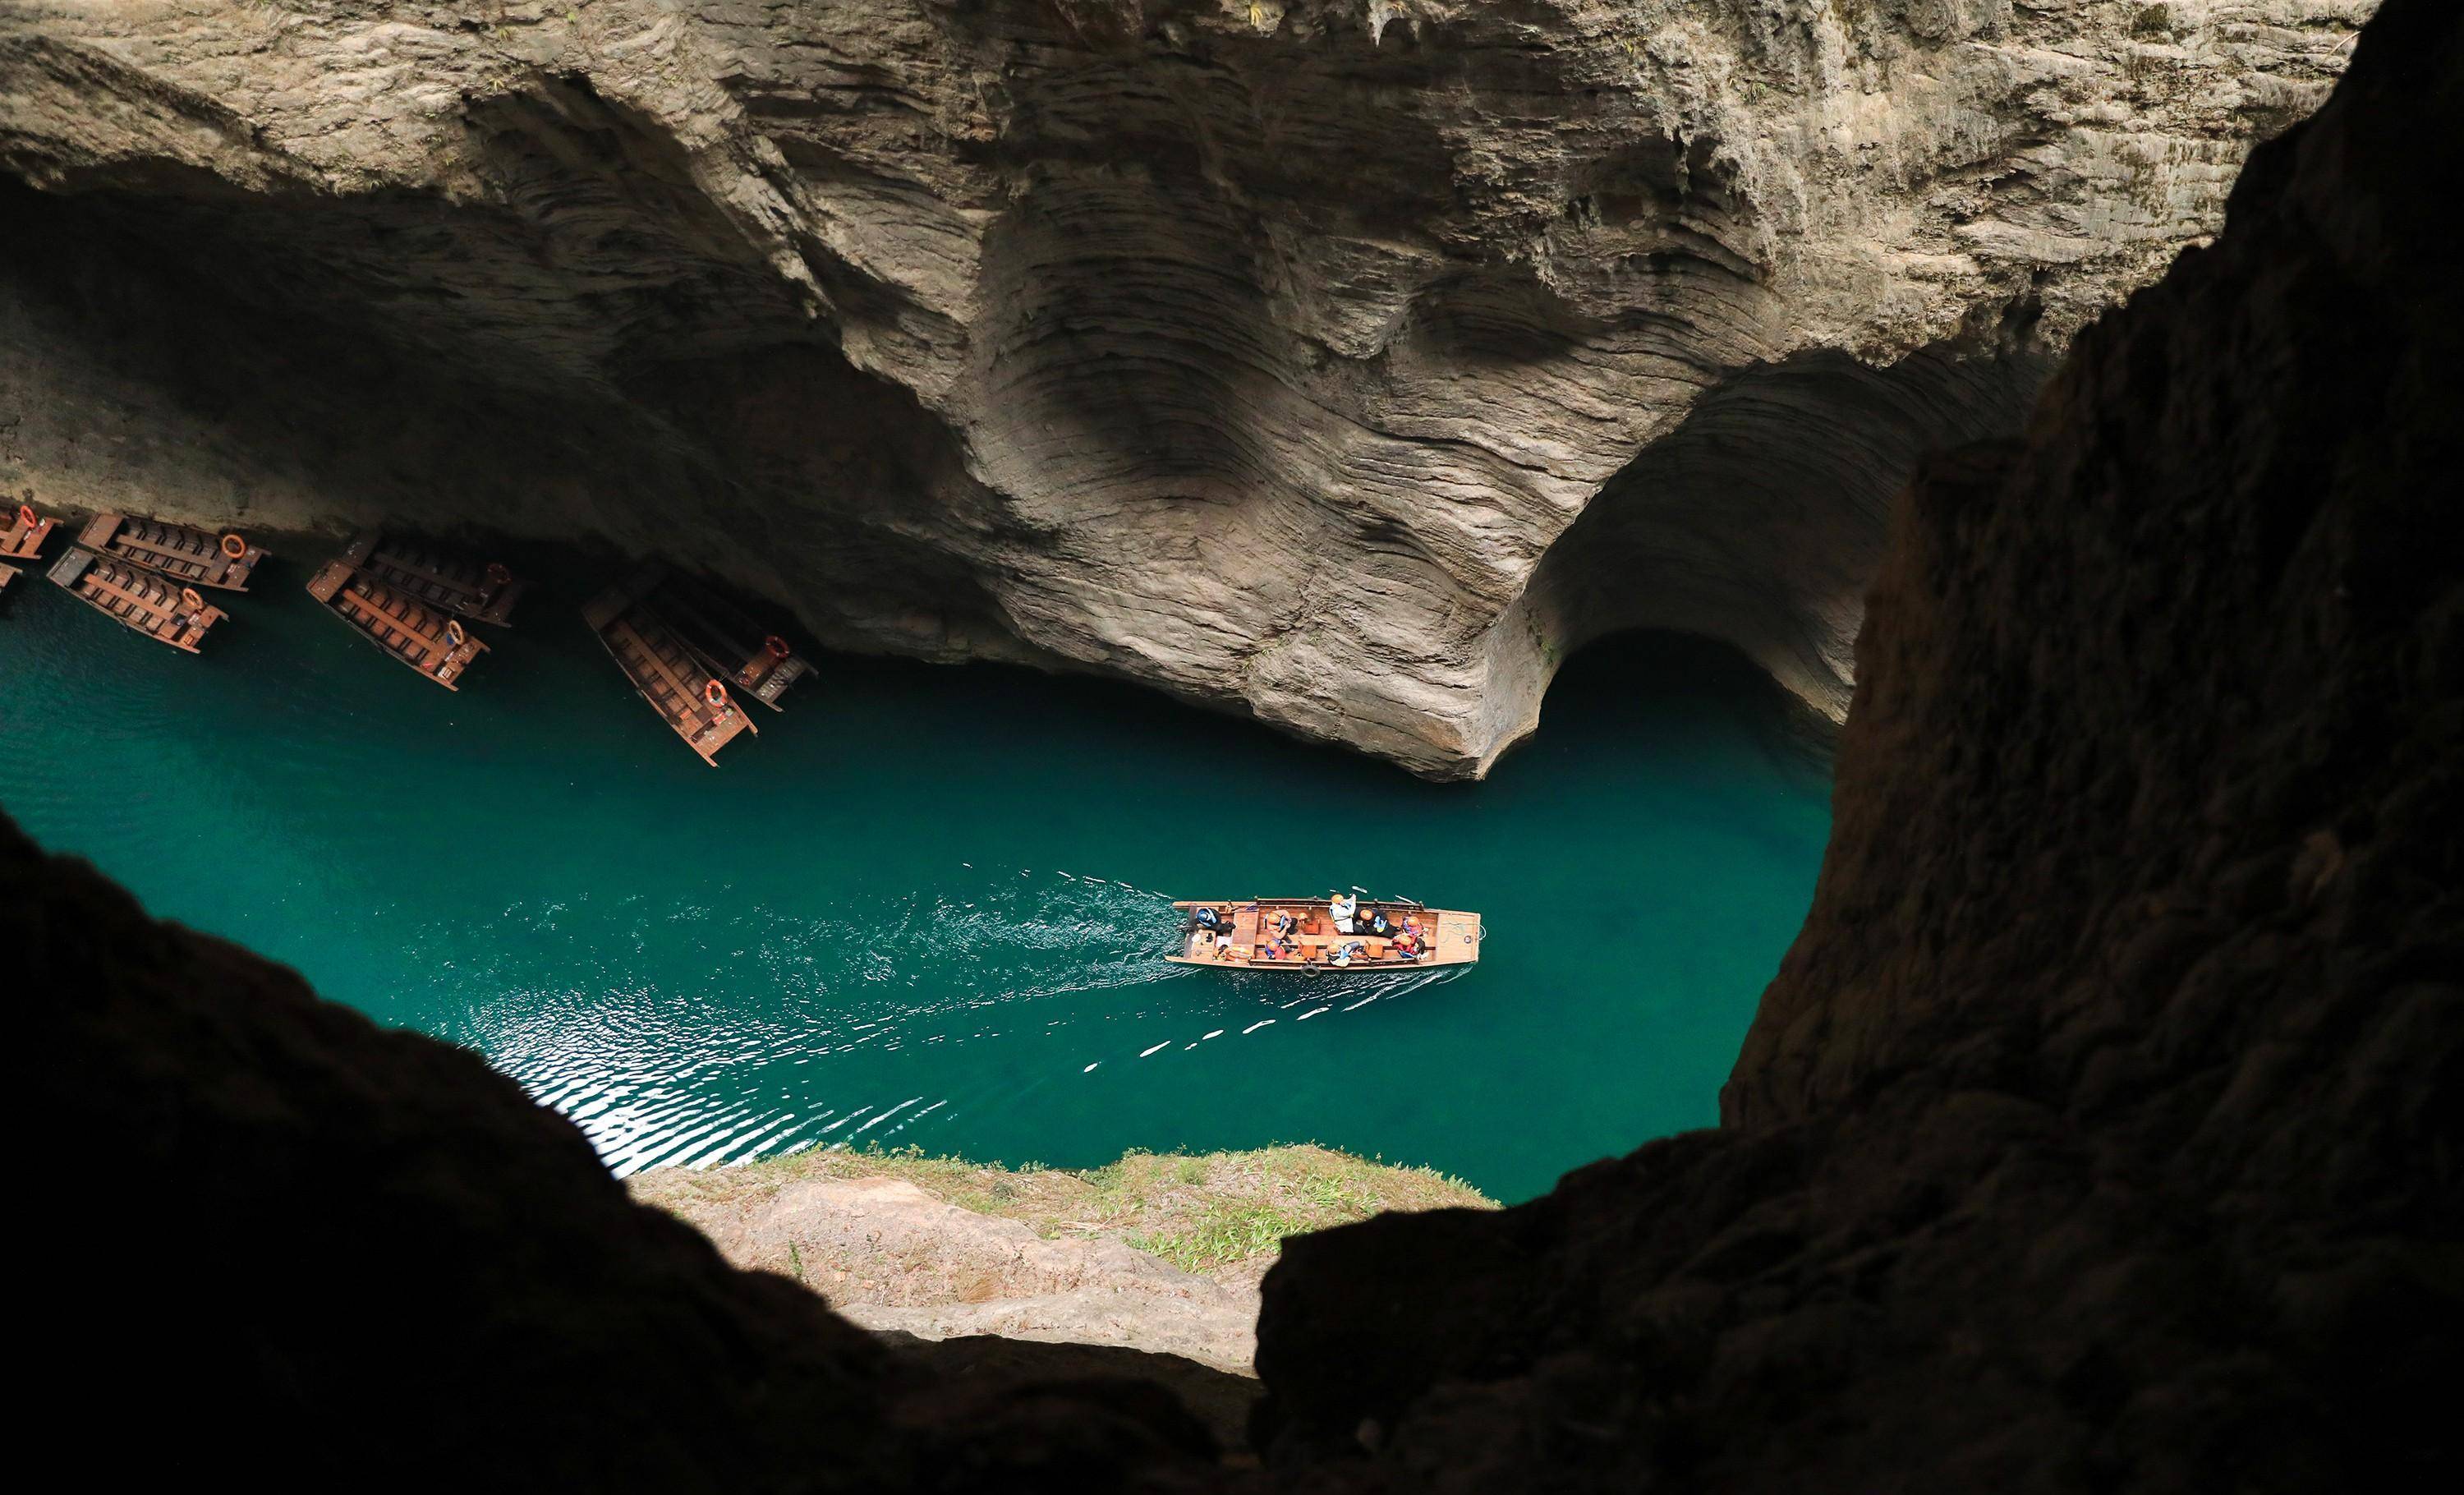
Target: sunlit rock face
1343,365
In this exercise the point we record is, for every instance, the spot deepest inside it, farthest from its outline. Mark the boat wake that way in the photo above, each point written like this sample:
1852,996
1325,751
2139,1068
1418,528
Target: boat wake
699,1034
1326,996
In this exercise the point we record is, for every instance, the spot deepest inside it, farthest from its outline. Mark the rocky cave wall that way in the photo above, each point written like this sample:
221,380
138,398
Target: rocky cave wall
1225,346
2100,1130
2099,1134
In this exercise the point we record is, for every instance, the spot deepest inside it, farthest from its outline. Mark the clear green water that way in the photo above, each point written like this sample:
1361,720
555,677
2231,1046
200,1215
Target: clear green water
924,906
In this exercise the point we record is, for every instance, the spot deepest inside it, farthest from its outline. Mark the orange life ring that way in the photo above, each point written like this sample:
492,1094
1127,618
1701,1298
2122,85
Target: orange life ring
497,574
189,595
715,694
27,516
234,546
777,645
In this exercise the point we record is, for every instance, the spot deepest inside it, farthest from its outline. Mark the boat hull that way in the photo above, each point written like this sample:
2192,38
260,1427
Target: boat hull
138,600
414,634
1451,936
727,642
664,673
440,578
189,557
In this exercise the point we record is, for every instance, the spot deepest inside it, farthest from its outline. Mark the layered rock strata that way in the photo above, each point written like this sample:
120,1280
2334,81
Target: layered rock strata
1344,364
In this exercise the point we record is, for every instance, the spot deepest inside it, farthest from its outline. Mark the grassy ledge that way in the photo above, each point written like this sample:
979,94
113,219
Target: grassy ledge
1221,1215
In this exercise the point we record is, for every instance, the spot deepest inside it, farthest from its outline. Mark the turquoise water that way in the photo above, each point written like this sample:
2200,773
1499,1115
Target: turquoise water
925,906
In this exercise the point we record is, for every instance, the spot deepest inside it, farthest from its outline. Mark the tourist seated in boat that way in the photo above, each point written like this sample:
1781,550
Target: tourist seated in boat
1347,952
1345,908
1285,924
1208,918
1407,943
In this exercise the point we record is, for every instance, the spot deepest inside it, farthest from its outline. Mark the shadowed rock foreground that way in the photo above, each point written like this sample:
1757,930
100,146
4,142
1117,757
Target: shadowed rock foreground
2100,1129
2100,1132
1344,364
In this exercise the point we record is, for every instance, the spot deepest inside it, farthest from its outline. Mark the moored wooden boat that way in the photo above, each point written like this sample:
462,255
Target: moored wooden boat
1300,934
23,536
727,642
426,638
190,556
686,696
153,605
482,592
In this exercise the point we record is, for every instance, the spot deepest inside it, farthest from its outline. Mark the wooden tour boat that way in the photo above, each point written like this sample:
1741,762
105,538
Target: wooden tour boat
484,593
727,642
685,694
420,634
1251,936
190,556
23,537
153,605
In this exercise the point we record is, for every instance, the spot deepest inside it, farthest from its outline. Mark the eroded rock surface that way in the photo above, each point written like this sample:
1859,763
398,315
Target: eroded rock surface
1343,363
2100,1130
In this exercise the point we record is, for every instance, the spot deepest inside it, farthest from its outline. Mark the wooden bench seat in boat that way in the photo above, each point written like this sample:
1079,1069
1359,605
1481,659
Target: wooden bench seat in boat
483,592
725,640
152,605
190,556
414,632
694,704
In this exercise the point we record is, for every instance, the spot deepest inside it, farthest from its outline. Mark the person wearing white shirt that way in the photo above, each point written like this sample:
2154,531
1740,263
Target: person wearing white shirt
1344,907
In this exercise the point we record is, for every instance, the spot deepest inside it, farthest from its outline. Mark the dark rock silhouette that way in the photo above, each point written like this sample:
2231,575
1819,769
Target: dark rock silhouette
279,1244
2100,1132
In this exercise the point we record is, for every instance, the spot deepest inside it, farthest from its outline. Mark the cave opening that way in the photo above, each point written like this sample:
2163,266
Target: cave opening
1760,518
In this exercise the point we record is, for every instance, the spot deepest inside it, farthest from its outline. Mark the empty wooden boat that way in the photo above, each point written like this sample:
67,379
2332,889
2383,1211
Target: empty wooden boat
150,603
22,539
1304,934
425,637
482,592
190,556
687,696
727,642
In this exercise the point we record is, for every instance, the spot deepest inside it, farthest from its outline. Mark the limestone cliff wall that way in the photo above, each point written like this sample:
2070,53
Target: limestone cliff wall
1343,363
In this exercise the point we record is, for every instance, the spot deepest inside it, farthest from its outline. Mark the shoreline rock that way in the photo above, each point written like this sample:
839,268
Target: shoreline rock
943,1248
